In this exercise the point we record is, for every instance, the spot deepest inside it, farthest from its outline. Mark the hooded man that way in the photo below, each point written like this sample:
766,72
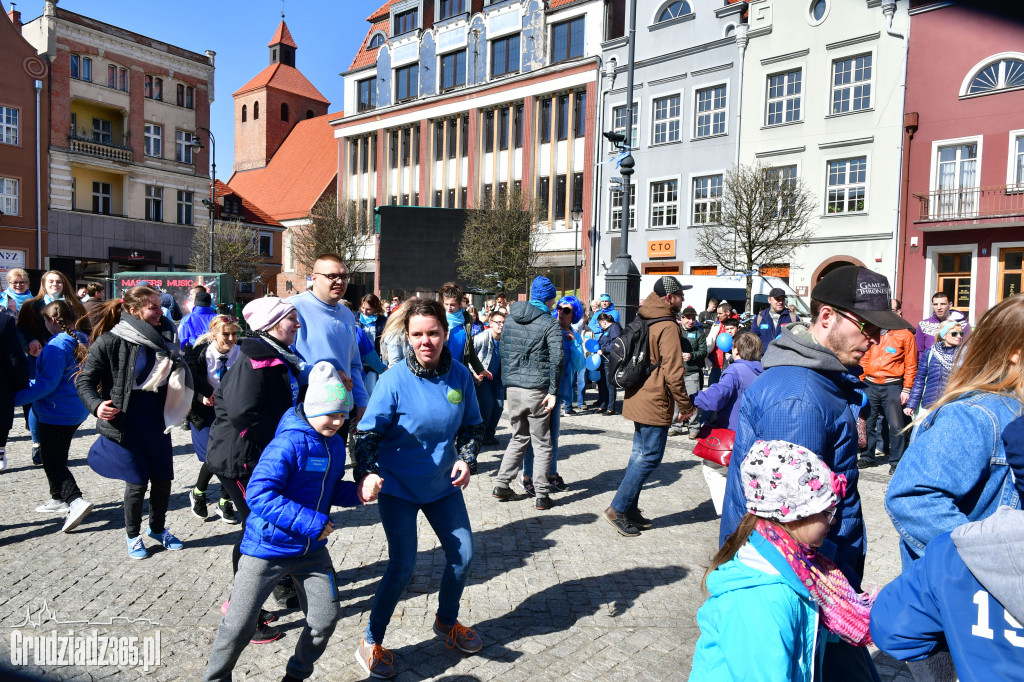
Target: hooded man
606,307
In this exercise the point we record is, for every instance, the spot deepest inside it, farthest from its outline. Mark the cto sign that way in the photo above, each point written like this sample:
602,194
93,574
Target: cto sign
662,248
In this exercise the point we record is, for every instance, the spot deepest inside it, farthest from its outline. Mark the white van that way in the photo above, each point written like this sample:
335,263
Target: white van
731,289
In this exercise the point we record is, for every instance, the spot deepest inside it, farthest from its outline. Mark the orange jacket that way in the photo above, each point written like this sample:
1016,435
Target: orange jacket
895,355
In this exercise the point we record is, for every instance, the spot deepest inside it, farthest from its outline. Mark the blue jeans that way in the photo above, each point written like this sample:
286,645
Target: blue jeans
556,421
490,396
581,386
648,449
448,517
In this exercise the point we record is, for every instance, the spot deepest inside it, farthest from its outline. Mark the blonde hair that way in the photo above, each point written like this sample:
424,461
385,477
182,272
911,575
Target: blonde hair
395,324
939,338
217,326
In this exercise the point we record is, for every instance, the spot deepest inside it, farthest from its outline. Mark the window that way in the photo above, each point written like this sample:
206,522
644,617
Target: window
405,22
545,121
1006,73
407,82
449,8
154,143
186,96
9,125
367,90
284,111
503,129
563,117
577,190
184,207
617,208
664,203
517,124
711,111
255,111
101,198
847,185
9,196
488,195
265,246
674,11
451,199
464,137
309,114
154,89
504,55
543,198
957,180
851,84
560,188
353,157
117,77
373,150
439,141
81,67
244,112
489,131
784,97
154,203
579,115
1017,161
707,200
619,123
183,147
376,41
364,157
568,40
954,270
666,119
1011,269
101,131
438,198
406,146
453,70
817,10
787,189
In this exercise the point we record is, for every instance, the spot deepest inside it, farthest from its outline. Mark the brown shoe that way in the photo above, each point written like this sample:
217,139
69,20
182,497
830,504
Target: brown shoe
639,520
376,660
458,637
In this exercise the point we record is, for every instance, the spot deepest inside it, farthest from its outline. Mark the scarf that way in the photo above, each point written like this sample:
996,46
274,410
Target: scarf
443,365
457,334
844,611
368,320
294,360
12,295
945,355
47,299
169,368
540,305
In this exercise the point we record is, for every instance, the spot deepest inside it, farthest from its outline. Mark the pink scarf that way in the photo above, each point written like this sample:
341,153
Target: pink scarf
844,611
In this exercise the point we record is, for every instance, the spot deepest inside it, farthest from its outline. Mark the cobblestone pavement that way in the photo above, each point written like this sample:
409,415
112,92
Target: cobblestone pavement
553,594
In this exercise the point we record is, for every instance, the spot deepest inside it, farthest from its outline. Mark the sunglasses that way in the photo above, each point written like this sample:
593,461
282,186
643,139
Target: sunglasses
567,311
956,334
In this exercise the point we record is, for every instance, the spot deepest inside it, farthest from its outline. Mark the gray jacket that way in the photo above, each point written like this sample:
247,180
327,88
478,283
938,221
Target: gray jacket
484,347
531,349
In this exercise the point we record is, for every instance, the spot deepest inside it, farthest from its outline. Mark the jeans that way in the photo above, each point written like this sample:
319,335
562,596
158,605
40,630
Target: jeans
531,426
450,521
159,499
255,580
648,449
885,398
490,398
606,389
556,422
54,443
581,386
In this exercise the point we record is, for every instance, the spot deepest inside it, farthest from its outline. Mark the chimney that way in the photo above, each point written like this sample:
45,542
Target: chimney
15,16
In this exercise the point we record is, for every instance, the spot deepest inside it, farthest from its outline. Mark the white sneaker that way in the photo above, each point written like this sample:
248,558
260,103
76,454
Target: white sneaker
53,507
76,513
3,460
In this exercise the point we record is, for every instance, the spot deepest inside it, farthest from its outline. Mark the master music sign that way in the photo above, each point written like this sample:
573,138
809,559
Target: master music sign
662,248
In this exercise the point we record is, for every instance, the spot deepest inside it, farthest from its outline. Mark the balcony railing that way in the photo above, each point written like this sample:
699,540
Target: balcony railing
84,142
972,202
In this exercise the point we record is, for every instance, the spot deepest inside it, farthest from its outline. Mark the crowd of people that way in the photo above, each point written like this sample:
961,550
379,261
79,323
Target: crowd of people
784,411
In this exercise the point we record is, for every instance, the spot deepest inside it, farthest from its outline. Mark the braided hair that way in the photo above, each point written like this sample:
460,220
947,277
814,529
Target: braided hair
61,313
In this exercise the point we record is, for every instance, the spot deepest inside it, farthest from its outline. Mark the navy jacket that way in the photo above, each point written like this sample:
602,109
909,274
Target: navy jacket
297,480
764,326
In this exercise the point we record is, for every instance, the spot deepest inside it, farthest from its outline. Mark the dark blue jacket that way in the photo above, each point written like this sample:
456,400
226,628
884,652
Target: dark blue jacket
195,324
724,397
292,489
607,336
764,326
52,393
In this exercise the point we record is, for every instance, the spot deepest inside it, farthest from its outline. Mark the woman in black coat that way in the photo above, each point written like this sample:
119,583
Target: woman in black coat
610,330
13,378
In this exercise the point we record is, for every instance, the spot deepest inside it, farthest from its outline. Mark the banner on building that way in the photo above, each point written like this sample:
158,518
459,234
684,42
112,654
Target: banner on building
10,259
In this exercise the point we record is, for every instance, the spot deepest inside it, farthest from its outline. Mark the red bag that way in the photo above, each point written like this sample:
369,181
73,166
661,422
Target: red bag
715,444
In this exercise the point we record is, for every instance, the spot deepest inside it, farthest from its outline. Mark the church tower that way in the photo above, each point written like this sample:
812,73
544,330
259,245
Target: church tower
269,105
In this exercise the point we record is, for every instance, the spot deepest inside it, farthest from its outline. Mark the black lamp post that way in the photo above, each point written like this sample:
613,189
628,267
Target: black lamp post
577,216
212,202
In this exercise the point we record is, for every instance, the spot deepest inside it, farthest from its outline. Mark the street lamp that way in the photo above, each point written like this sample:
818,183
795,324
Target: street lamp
577,216
212,203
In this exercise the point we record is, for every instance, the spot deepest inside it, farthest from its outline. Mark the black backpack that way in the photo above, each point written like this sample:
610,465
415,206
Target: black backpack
629,360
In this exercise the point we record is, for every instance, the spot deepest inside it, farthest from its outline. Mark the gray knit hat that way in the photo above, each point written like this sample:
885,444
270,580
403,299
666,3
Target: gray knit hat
326,394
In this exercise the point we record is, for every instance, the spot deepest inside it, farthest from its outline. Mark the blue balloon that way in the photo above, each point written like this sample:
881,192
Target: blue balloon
591,345
594,362
724,342
593,375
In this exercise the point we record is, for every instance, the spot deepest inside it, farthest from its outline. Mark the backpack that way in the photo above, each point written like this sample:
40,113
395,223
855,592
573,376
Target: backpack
629,360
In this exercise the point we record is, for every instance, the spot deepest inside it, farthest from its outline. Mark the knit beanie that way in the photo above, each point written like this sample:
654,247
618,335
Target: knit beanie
326,394
1013,441
786,482
542,289
263,313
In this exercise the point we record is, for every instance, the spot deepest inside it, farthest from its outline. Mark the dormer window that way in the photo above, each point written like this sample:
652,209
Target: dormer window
376,41
450,8
405,22
674,10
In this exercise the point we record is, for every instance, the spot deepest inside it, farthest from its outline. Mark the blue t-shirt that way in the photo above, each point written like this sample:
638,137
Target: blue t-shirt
420,419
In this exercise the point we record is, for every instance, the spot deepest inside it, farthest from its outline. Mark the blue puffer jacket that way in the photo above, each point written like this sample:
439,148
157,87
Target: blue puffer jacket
292,489
52,393
805,396
932,374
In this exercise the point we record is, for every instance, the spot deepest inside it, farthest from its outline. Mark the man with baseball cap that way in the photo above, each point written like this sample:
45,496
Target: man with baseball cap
650,405
769,322
805,396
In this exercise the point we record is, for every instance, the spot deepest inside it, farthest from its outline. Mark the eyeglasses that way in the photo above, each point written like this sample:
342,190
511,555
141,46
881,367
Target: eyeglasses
16,282
866,328
956,334
831,512
335,276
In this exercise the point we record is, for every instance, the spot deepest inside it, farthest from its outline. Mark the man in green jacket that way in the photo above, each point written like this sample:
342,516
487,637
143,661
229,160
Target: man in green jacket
695,352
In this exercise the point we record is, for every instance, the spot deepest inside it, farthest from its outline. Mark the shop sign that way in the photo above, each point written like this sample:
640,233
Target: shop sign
662,248
10,259
124,255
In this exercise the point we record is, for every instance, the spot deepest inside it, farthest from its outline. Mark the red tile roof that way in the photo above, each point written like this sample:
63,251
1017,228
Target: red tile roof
301,170
251,213
283,77
383,10
366,55
283,36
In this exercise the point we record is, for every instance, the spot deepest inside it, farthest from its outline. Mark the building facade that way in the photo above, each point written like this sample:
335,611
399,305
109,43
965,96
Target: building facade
125,178
965,163
457,102
822,102
24,120
684,136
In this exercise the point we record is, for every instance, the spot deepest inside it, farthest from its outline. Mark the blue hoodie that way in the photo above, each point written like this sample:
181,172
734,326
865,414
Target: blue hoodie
595,326
52,393
724,397
292,489
195,324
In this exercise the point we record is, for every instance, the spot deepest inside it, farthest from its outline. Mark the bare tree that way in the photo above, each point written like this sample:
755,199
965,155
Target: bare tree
333,228
499,246
761,218
235,250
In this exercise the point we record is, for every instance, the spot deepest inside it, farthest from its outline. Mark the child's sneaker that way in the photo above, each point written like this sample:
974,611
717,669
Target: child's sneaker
53,507
197,501
3,460
459,637
226,512
265,634
136,550
166,539
376,660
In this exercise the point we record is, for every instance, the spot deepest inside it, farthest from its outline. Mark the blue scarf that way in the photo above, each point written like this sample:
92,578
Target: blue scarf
367,320
457,334
47,299
540,305
11,294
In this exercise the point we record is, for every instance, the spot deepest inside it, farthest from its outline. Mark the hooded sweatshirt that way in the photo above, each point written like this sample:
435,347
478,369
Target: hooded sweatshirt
531,349
52,393
595,326
725,396
808,397
965,593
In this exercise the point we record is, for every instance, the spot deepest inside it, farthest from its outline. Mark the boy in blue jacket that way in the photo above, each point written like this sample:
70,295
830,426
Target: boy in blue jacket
294,485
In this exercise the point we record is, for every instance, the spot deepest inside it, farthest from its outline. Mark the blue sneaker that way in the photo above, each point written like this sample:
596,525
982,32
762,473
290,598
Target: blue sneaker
166,539
136,550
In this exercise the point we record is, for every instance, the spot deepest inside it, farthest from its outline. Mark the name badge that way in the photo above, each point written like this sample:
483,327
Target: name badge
316,464
765,326
890,349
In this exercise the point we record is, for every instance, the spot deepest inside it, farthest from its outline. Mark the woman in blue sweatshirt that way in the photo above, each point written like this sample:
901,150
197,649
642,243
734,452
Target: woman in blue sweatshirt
419,439
60,411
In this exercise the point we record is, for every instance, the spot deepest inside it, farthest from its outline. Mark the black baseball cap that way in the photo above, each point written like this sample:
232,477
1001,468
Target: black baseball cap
777,293
861,291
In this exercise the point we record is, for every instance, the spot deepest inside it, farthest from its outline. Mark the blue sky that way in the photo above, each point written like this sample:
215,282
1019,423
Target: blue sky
328,32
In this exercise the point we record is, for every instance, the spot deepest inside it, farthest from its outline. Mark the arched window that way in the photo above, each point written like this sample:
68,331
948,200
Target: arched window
674,10
255,110
309,114
376,41
284,111
244,112
1000,75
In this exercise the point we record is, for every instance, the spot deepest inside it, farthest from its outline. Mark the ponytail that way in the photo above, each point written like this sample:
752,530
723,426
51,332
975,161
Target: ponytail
732,544
61,313
111,310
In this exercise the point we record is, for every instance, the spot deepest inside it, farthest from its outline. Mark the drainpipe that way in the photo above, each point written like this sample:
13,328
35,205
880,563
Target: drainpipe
902,197
39,185
606,70
741,42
